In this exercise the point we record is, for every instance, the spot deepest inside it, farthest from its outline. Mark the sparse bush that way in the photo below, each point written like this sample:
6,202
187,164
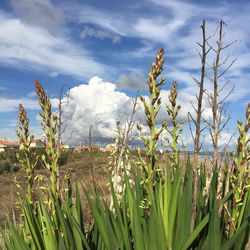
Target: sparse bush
5,166
8,166
9,154
64,157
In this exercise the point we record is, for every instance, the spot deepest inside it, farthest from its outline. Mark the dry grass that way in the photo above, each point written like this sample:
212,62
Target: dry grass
80,169
85,169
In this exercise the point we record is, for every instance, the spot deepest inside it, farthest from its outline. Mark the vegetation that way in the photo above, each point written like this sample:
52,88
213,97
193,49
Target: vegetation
154,210
8,166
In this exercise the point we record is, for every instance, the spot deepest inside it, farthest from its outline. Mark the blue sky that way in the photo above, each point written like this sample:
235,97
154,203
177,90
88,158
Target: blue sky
67,43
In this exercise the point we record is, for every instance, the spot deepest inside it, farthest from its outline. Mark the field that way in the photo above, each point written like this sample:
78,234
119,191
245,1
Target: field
81,166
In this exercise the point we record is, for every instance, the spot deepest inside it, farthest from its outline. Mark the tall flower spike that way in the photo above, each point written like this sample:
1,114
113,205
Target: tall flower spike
26,157
49,125
241,179
151,109
176,130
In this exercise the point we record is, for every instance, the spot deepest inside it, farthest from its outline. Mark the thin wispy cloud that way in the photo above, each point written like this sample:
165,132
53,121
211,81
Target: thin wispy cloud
39,12
11,104
34,48
100,34
178,31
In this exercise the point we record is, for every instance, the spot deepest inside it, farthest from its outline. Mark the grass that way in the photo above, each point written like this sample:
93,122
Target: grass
79,167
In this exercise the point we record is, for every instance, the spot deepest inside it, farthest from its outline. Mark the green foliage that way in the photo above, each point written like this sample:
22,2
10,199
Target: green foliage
8,166
41,231
64,157
9,154
164,224
240,177
8,161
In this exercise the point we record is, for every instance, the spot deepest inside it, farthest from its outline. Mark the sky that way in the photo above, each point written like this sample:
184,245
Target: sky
99,52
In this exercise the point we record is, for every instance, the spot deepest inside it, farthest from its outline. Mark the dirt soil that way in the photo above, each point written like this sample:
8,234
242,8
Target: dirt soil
85,171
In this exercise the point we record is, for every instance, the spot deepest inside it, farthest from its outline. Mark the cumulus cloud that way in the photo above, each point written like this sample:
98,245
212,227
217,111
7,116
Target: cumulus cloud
97,103
132,80
100,34
101,104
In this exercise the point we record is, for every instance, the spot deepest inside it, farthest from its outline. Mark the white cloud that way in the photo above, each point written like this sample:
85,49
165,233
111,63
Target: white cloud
11,104
30,47
100,104
178,31
10,133
39,12
97,103
53,74
226,139
32,94
133,80
100,34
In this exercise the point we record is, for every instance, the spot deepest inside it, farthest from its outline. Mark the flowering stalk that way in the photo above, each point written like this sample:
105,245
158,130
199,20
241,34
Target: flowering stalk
49,126
176,129
241,177
26,159
151,109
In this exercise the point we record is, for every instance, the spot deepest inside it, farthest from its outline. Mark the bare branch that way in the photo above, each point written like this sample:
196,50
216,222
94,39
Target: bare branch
225,71
228,45
227,95
190,127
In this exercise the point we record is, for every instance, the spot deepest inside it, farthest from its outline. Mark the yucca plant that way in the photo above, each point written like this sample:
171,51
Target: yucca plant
151,109
49,125
165,224
40,231
176,129
27,157
241,176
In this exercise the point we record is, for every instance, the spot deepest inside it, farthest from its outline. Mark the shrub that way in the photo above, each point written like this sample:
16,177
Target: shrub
8,166
64,157
9,154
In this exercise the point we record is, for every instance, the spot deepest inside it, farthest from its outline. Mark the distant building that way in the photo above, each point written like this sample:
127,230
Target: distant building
36,143
109,148
7,144
65,146
79,149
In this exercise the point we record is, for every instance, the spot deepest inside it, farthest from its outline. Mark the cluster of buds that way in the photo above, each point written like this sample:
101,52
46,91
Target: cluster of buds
241,179
155,71
151,109
49,125
242,156
172,109
176,129
23,133
26,157
49,120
